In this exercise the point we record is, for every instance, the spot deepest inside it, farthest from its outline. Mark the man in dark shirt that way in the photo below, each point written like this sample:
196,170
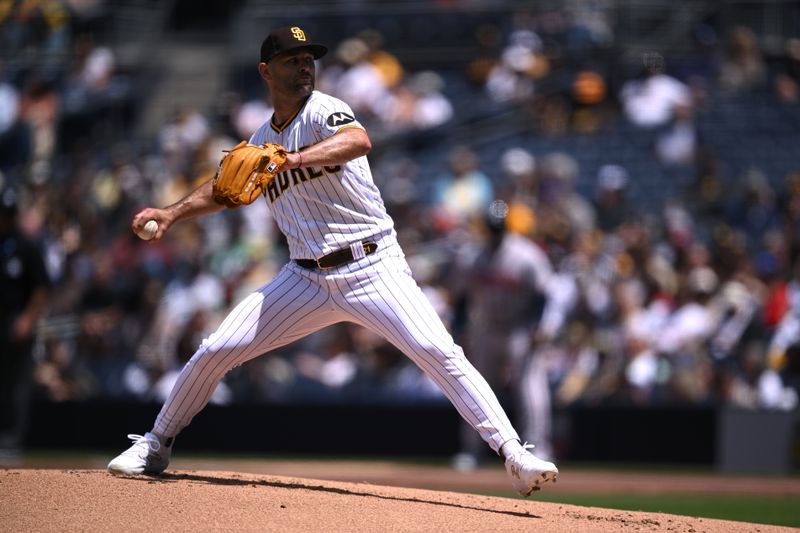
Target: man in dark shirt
23,285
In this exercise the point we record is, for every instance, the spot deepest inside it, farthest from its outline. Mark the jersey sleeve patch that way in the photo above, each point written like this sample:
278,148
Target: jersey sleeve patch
339,118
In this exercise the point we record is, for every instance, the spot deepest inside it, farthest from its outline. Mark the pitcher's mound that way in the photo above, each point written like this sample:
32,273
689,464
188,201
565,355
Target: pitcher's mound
93,500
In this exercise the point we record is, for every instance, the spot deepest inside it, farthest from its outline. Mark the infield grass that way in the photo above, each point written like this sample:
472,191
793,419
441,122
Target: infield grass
774,510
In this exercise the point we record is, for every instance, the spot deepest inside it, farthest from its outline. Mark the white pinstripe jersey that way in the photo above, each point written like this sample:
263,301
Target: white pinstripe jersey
322,209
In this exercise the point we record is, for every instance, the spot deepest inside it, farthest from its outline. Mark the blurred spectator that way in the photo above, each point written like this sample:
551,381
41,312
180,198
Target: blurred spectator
14,138
791,65
519,169
684,334
562,210
701,66
192,291
386,374
677,146
589,29
101,345
642,315
758,386
651,99
772,392
355,79
588,93
787,333
387,64
95,92
734,308
787,89
610,200
181,135
787,77
575,365
463,191
332,364
180,141
188,341
40,110
24,285
743,67
250,116
489,40
9,104
417,104
521,63
594,270
519,190
754,209
59,378
117,189
95,65
431,106
35,24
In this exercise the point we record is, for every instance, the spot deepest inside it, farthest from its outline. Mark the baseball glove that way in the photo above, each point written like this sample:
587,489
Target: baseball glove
245,172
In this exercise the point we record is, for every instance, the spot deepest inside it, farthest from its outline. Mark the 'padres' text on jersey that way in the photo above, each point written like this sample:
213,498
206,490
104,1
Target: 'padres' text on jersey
322,209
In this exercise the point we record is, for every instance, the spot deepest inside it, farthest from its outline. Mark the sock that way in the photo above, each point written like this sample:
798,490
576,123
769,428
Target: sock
166,441
511,447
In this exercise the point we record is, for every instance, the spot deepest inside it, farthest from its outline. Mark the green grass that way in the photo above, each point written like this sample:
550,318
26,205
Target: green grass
775,510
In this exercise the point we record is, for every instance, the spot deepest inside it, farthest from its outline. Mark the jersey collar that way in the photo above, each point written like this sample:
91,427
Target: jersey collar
278,128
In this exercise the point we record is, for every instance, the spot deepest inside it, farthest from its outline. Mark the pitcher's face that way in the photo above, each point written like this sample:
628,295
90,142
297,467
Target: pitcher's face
291,73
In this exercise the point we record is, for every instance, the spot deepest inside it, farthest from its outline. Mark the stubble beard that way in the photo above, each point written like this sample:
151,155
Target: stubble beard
303,88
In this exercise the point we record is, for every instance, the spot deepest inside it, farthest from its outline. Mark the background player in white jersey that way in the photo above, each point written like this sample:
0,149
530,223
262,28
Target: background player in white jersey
346,265
513,304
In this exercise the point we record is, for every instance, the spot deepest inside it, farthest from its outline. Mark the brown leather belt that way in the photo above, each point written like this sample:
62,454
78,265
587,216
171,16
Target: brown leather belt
336,259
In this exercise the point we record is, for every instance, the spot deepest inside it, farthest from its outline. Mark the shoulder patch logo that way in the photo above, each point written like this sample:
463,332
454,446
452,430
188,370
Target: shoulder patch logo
340,118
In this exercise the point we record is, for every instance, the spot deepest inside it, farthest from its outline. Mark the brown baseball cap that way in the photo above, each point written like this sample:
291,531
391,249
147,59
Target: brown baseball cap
289,38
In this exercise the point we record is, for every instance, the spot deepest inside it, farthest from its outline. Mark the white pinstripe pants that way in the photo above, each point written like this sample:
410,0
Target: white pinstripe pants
377,292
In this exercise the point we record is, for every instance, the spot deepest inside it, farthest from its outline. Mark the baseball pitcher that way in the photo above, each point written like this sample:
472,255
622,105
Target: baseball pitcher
309,163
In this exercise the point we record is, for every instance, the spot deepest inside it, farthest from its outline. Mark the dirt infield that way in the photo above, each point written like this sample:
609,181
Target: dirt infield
493,478
202,500
490,478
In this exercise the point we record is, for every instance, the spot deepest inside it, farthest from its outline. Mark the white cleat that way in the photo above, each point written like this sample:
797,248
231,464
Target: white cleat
528,472
146,456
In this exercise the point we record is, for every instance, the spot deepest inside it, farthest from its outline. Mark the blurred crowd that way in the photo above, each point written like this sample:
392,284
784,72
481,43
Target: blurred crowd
696,301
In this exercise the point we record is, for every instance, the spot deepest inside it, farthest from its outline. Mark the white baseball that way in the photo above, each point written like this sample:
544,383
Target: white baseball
149,230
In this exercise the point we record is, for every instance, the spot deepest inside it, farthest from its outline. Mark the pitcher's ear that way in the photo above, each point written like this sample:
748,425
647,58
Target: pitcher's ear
264,71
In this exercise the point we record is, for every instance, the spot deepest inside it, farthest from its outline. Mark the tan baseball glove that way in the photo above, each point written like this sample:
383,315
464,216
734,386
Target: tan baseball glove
245,172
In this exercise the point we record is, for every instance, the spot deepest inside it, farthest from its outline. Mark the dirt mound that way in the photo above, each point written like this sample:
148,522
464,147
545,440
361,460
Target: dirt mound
92,500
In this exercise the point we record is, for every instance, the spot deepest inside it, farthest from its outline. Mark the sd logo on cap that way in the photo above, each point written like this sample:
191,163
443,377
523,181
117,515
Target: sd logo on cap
289,38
